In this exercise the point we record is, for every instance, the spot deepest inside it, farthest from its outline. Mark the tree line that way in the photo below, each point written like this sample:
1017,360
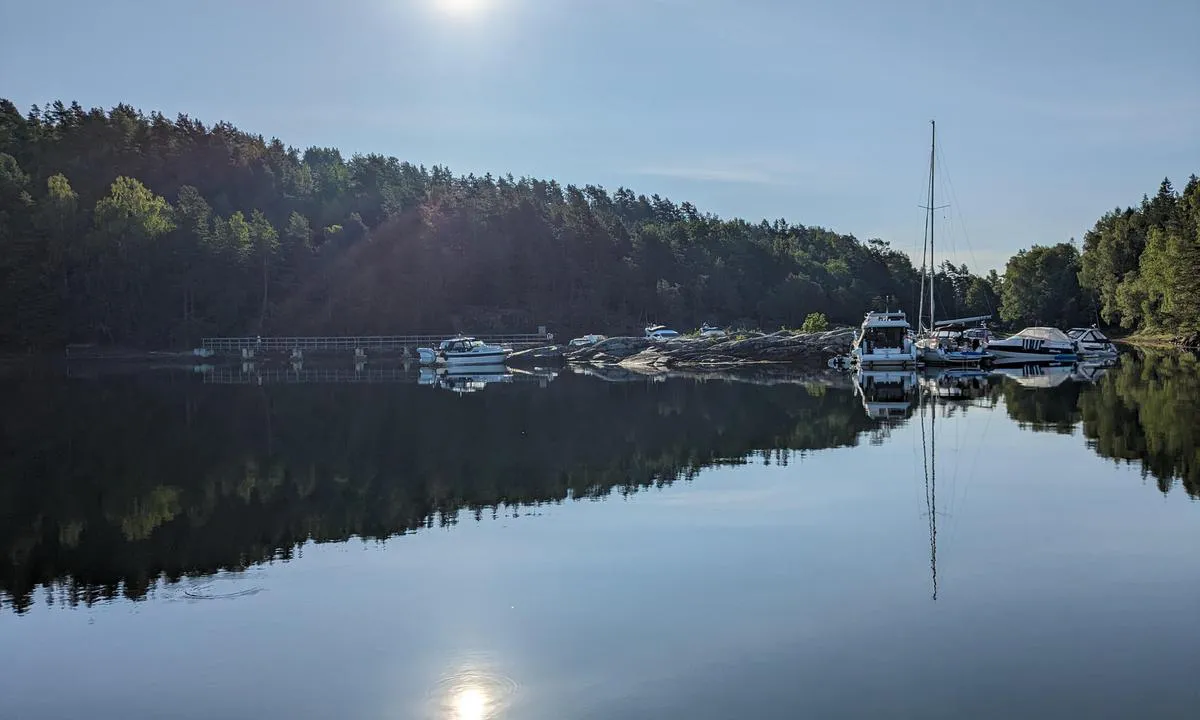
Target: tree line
128,228
133,229
1138,269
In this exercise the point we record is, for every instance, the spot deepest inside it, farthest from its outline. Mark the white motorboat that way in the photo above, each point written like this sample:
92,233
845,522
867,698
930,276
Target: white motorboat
1092,343
1035,345
463,350
586,340
711,331
883,341
886,394
660,332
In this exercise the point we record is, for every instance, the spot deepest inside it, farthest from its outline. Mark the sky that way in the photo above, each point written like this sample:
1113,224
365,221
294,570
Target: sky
1049,112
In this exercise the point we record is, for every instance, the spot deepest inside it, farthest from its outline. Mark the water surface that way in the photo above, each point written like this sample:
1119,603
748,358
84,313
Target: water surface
601,547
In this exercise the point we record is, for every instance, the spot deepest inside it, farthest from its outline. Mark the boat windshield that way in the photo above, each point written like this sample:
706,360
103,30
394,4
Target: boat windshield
1044,333
883,337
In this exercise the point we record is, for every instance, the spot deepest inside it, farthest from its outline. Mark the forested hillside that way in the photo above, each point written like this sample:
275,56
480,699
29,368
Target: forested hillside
128,228
1143,263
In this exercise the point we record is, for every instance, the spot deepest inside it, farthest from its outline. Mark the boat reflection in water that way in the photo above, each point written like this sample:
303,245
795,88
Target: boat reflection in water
956,384
1036,376
1092,370
464,379
474,378
887,394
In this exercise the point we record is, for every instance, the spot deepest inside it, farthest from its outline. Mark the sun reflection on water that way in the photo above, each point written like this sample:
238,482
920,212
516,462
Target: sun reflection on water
471,704
473,691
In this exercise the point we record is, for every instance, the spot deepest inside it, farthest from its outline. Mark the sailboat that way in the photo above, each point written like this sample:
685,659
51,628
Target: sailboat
948,345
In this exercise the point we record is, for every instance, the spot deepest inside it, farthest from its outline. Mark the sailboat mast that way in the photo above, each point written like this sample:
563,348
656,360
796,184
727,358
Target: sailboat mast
932,264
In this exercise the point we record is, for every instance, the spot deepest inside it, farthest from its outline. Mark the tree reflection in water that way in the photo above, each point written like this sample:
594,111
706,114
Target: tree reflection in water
111,485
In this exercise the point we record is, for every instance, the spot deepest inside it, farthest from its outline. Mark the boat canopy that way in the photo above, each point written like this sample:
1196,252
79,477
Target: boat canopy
1044,333
962,321
885,319
1087,334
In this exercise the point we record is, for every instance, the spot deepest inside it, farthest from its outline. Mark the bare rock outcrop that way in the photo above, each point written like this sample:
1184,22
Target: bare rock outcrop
784,346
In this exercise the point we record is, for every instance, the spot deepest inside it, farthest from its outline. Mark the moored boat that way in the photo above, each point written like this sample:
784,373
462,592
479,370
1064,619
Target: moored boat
883,341
660,332
1092,343
463,350
586,340
1035,345
942,343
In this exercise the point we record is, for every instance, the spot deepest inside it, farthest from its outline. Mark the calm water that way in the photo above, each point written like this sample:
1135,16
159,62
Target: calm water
616,547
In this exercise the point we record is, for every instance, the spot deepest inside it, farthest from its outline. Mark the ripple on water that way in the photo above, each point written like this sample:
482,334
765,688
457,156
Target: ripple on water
226,586
475,691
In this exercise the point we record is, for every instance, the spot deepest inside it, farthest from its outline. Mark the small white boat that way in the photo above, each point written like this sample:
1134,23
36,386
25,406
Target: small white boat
586,340
952,343
463,350
710,331
935,350
884,341
660,332
1092,343
1035,345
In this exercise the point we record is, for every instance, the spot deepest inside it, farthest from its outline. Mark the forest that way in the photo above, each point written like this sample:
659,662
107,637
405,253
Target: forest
1142,265
127,228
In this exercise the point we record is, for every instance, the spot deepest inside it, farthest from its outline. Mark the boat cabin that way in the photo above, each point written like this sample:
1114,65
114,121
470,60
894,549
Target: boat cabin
460,344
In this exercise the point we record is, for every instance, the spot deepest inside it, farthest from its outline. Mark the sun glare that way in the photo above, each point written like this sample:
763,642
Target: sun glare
471,704
461,8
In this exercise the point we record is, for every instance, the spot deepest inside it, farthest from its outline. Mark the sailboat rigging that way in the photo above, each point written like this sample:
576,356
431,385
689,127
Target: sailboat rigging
947,345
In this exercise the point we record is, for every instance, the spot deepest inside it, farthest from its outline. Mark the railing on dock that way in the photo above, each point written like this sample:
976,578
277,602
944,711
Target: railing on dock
284,376
257,344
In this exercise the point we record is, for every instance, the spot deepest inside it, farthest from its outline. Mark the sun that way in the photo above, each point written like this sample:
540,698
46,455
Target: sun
461,8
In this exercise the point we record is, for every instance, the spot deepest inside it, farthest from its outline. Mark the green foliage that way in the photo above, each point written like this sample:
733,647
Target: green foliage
1041,287
815,322
130,228
1143,264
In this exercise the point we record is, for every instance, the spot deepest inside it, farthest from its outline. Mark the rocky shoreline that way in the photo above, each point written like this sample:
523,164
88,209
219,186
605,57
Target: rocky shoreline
784,346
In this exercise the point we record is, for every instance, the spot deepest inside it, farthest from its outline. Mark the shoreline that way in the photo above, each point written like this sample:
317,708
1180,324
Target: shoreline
1160,341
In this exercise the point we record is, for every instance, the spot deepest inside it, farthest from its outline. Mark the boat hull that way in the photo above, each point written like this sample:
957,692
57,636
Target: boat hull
898,358
484,358
954,358
1028,357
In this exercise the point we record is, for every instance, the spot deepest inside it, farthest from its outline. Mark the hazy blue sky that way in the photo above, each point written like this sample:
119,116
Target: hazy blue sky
1049,111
